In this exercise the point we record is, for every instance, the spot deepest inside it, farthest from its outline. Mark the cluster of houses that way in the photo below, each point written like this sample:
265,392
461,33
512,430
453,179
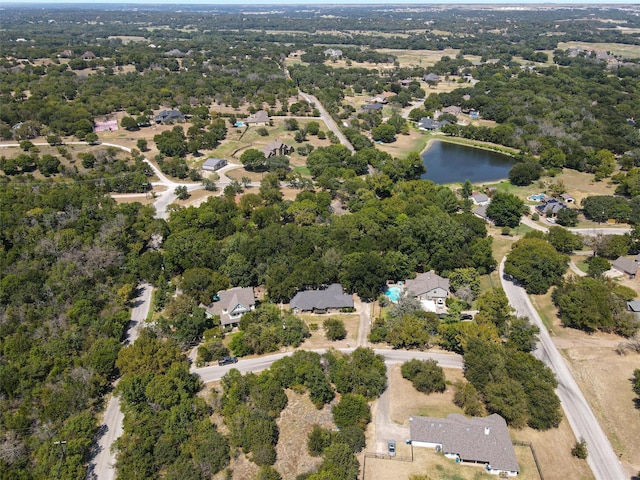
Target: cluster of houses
429,288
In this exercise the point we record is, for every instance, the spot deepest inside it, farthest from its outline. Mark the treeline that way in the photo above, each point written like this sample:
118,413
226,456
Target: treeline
69,263
393,231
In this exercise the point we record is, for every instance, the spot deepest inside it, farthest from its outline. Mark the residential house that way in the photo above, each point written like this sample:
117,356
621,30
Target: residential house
476,440
372,108
333,52
406,82
277,148
213,164
453,110
105,126
429,286
67,53
174,53
232,304
427,123
377,99
431,77
480,199
627,265
169,116
297,53
551,207
259,118
88,55
481,212
330,298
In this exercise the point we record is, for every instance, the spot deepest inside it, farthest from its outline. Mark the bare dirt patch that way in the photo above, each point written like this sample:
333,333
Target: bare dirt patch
295,424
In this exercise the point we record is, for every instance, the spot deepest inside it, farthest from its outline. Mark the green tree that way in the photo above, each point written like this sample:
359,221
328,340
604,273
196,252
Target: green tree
181,192
426,375
505,209
536,264
525,173
351,411
597,266
142,145
253,159
384,133
563,240
129,123
334,329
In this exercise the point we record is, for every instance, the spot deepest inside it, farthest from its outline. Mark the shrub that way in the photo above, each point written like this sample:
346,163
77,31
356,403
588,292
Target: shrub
334,329
426,375
579,450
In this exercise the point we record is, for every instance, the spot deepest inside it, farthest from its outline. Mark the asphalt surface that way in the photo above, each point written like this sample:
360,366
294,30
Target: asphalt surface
102,466
214,373
602,459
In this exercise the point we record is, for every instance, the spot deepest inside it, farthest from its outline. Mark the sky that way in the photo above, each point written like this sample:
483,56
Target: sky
325,2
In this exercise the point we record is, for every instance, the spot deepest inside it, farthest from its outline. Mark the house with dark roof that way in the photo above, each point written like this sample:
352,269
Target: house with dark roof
551,207
261,117
428,286
481,212
213,164
634,307
427,123
169,116
330,298
627,265
277,148
231,304
372,107
476,440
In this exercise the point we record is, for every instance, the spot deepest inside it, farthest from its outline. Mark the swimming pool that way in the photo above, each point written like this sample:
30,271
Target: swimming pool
537,197
394,293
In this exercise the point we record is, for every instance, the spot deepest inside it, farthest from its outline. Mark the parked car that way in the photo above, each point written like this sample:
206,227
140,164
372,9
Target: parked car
227,361
392,448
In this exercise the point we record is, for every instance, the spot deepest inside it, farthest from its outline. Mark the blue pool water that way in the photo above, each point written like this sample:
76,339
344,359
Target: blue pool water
394,293
538,196
239,124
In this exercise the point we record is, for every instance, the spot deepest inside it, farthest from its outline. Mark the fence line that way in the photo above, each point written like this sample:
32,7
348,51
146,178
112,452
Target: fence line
533,453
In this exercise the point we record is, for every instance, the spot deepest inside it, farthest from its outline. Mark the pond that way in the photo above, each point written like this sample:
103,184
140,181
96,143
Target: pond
450,163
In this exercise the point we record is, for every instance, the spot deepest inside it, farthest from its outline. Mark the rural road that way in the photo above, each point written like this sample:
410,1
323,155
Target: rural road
214,373
102,466
328,121
365,323
602,459
588,232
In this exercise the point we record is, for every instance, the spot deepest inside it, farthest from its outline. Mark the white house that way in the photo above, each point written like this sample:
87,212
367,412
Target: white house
232,304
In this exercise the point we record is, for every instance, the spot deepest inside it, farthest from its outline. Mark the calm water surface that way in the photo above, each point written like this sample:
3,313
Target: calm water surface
450,163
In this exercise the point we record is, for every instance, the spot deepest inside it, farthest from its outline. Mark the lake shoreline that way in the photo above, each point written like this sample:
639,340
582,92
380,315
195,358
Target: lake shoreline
453,158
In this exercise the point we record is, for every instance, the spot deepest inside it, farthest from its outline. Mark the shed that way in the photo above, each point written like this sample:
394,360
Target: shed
213,164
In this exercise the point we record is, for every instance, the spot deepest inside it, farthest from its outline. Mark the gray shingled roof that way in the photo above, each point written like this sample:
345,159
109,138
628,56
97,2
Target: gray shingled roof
237,298
626,265
330,297
259,117
483,440
426,282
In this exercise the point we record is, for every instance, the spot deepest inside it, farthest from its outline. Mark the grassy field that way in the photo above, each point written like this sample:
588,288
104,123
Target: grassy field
620,49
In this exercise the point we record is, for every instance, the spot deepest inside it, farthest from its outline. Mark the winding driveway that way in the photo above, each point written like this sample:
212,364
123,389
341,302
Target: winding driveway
326,118
602,459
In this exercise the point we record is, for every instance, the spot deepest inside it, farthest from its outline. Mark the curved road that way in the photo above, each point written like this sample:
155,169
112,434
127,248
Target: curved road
602,459
214,373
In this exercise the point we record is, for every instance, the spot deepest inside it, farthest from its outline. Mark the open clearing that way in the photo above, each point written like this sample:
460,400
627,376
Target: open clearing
620,49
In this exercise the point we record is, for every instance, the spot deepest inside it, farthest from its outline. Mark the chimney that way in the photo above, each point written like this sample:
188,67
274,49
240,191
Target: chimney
487,430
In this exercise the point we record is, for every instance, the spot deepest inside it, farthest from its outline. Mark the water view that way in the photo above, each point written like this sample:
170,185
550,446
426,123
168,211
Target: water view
449,163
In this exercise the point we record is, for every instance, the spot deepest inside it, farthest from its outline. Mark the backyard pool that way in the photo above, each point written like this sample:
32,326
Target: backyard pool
394,293
537,197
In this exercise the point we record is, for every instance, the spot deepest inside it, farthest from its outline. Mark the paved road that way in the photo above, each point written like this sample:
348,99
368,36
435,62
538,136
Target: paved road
214,373
102,466
326,118
589,232
602,459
